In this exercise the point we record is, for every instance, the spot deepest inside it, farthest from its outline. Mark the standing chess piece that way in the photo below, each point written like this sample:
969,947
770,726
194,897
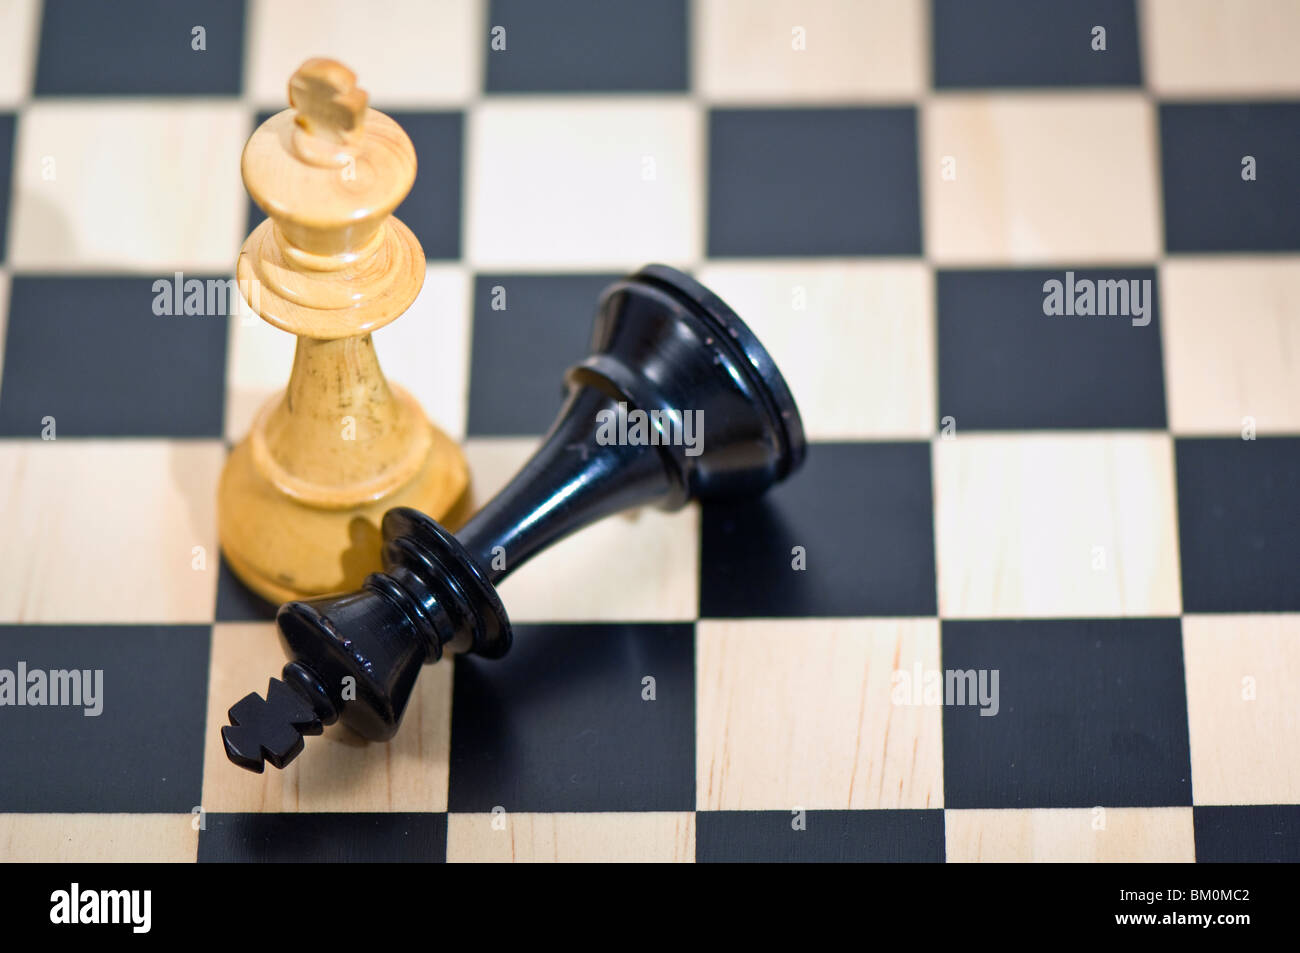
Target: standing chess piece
301,497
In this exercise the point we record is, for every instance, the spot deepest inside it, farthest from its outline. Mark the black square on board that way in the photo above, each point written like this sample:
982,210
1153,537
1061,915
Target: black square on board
1239,523
528,330
1255,833
594,46
813,182
1002,43
433,209
857,516
141,47
1088,712
323,838
827,837
91,353
236,602
1006,365
563,723
1208,205
143,752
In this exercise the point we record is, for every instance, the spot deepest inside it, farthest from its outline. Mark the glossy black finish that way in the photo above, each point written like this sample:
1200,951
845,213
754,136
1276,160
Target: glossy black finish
661,342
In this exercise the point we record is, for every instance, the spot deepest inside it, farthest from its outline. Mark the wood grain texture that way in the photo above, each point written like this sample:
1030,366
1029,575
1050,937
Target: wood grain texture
546,176
1208,48
391,51
1056,525
1241,713
151,499
1231,343
132,207
98,838
798,713
850,50
19,22
1040,178
571,838
1086,835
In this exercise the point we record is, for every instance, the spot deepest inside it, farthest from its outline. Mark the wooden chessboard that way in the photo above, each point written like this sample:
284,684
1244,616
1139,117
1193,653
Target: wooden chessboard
882,190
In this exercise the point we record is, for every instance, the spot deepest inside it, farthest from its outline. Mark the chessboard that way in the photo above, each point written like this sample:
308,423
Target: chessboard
1031,270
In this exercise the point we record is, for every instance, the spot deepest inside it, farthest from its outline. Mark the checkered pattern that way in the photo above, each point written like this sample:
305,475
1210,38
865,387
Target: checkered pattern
1068,501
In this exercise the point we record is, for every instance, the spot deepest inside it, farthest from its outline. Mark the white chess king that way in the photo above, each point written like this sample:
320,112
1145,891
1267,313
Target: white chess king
301,497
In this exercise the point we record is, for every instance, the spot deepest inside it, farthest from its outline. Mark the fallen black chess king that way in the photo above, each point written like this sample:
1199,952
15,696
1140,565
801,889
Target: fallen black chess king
663,344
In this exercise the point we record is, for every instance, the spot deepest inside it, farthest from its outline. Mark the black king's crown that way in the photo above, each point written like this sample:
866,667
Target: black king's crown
662,342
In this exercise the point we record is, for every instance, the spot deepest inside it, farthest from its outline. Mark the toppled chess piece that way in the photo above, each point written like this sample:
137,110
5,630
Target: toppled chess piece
663,346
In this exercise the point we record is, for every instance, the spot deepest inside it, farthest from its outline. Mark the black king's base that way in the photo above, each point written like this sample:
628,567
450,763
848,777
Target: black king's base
662,342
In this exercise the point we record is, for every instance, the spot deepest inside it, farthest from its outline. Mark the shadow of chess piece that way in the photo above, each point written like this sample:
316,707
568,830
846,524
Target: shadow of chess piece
677,402
330,265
